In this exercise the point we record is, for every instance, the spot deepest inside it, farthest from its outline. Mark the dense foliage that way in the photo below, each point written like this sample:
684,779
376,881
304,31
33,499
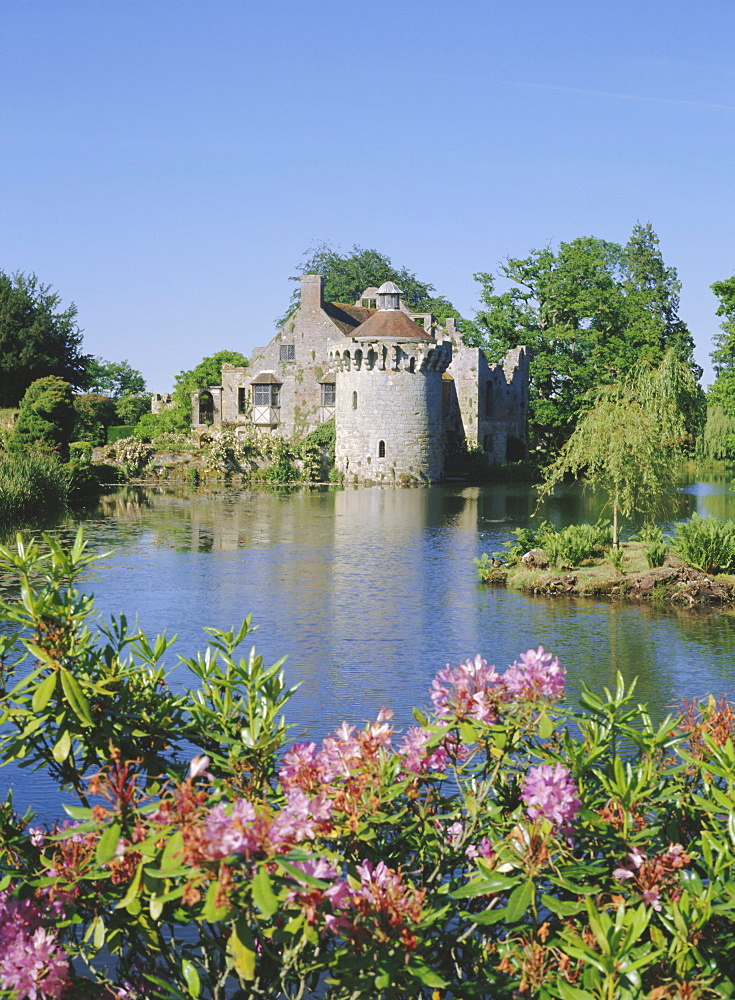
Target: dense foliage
177,418
589,312
718,438
46,418
37,339
629,438
504,847
114,378
347,275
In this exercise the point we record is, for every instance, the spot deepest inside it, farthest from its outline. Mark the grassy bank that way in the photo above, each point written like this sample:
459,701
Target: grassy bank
36,485
673,582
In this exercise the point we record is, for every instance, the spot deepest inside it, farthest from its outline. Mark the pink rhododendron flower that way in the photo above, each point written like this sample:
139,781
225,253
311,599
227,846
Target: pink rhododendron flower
482,850
231,830
416,759
469,692
31,962
37,836
550,793
538,675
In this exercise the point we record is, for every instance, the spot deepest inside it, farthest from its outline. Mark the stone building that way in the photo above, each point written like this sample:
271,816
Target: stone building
406,394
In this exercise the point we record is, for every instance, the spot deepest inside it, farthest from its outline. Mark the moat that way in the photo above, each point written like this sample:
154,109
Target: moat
371,591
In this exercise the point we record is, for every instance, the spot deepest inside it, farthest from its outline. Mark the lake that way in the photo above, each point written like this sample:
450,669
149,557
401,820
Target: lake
371,591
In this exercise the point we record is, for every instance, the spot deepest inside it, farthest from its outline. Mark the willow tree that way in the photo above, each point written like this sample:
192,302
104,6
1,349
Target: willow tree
629,439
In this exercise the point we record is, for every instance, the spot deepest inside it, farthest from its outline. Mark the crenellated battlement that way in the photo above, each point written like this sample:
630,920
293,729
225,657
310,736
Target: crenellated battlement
394,357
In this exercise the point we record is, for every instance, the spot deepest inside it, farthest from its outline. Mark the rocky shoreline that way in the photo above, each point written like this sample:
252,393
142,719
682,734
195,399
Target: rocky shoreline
669,584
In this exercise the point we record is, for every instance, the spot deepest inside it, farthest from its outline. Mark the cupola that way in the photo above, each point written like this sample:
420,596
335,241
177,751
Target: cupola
389,296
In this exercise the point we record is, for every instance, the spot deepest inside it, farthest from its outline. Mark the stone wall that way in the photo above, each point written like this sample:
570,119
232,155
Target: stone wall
388,412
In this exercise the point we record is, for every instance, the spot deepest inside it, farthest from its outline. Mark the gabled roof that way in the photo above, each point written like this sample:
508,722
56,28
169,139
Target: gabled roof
391,324
347,318
266,378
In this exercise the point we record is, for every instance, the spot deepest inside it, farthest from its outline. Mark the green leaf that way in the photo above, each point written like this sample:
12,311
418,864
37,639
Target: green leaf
213,913
107,844
99,932
75,697
130,897
421,971
43,693
63,745
545,726
561,907
241,946
519,901
485,886
191,977
301,876
263,895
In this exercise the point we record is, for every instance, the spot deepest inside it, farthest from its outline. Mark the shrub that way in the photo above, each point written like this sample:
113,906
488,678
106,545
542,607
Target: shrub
506,846
94,414
46,418
130,455
656,545
706,544
118,431
31,483
572,545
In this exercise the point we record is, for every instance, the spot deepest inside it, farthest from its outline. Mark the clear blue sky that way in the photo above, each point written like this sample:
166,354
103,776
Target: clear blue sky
166,164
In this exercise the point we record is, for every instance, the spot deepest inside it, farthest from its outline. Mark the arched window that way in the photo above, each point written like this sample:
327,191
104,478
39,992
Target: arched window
381,449
354,400
206,408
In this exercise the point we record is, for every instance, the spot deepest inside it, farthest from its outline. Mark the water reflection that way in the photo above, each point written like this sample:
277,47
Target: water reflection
371,591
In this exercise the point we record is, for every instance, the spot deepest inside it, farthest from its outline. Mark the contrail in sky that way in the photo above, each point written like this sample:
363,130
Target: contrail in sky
621,97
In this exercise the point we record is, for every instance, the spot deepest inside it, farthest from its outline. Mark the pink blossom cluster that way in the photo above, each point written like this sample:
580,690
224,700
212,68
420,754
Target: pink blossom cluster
472,691
416,758
31,962
475,689
238,828
342,754
537,676
550,793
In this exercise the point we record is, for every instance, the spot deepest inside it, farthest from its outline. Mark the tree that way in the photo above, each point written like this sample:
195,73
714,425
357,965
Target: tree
629,439
129,408
94,414
114,378
589,313
347,275
207,372
36,338
177,418
46,418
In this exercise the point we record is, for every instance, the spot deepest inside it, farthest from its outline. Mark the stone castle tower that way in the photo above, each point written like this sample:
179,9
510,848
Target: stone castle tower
388,407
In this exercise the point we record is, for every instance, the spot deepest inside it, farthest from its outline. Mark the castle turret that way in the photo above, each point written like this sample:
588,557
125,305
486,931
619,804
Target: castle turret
388,406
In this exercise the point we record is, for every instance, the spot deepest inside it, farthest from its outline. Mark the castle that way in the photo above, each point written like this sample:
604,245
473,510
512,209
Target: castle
406,394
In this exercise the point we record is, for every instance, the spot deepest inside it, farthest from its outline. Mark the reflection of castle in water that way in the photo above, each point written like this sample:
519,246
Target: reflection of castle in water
371,591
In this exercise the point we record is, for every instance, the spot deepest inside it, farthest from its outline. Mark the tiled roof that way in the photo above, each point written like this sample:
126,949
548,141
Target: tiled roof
346,317
390,323
266,378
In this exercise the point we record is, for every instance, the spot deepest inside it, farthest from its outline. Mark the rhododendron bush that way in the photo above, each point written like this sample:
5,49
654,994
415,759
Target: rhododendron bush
504,846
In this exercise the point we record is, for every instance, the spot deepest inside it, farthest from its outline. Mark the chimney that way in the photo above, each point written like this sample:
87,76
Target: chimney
312,292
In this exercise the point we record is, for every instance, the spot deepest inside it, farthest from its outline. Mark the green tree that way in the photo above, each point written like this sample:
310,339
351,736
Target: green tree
94,414
178,418
46,418
37,339
347,275
589,313
129,407
628,440
114,378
